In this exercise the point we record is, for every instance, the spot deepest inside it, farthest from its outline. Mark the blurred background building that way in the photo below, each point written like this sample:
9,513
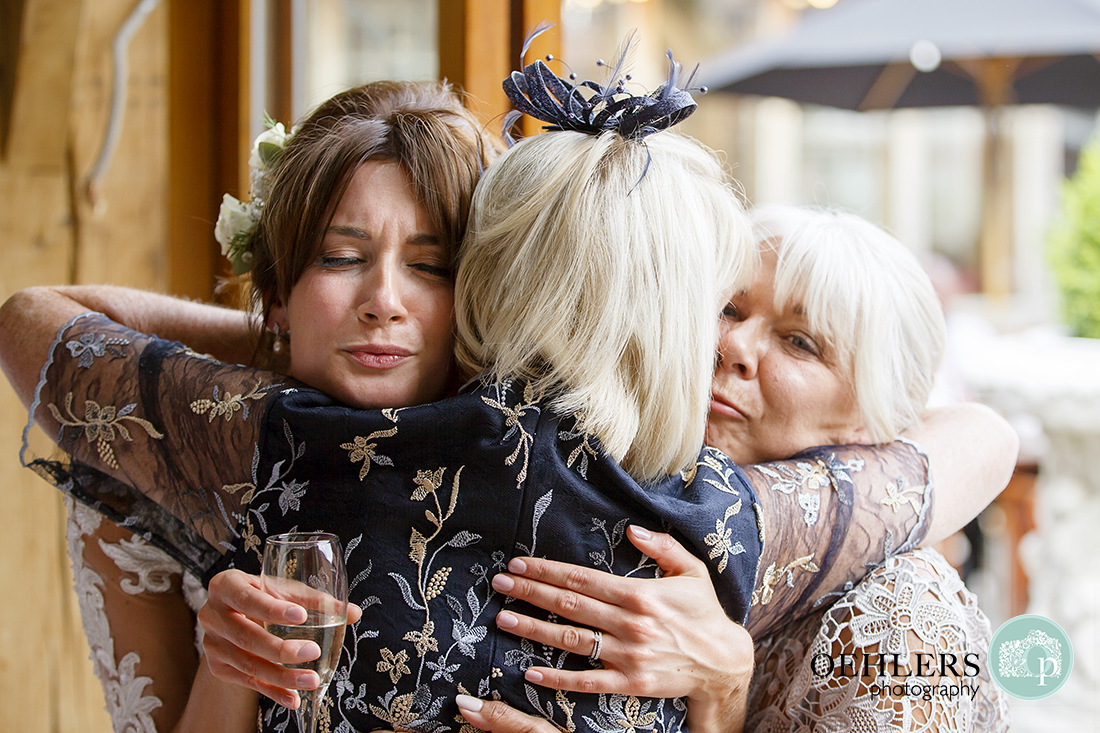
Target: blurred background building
122,122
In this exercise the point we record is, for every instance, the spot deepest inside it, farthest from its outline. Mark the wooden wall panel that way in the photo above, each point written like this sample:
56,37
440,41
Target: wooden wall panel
526,16
50,233
121,224
44,668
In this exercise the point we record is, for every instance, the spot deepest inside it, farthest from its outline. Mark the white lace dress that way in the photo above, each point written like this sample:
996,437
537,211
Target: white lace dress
137,608
915,643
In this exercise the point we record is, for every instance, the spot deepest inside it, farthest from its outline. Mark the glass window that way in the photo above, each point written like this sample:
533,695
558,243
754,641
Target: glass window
349,42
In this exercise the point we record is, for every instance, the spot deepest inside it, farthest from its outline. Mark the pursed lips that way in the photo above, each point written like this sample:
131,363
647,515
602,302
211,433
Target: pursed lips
722,406
379,356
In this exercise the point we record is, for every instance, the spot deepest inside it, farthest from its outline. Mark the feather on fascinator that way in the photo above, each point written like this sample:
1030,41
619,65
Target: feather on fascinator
591,107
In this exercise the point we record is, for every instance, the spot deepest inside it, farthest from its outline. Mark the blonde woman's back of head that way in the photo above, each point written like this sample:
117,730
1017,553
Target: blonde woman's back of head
602,286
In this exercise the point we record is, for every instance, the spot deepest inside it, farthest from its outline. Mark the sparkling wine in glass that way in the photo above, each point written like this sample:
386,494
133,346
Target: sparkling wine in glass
307,568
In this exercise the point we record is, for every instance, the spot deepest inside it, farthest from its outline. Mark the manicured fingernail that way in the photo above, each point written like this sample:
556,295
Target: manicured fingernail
641,532
506,620
465,702
288,701
517,566
533,675
308,651
307,680
503,583
295,615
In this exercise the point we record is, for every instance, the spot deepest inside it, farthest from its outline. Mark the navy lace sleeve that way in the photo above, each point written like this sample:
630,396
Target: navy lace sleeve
830,516
157,438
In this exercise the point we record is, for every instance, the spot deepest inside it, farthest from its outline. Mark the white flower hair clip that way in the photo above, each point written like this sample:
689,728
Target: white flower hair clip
237,220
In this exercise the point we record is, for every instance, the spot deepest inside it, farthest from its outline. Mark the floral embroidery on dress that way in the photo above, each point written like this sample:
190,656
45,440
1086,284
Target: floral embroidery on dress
606,559
811,504
566,707
101,423
89,346
152,566
625,714
880,617
394,664
898,494
772,576
513,417
290,493
423,640
720,541
230,405
251,540
435,618
582,451
128,704
362,449
889,618
812,476
725,470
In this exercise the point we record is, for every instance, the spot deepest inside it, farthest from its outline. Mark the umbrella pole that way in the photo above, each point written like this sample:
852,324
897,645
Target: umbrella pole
995,242
994,79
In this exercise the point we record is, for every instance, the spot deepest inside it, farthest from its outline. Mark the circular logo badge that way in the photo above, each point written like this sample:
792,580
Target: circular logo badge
1030,657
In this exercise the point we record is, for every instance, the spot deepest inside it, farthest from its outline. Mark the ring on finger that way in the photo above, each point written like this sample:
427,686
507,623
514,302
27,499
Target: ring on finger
597,645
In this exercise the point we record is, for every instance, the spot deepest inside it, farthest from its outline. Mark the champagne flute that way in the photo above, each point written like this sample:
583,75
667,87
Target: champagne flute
307,568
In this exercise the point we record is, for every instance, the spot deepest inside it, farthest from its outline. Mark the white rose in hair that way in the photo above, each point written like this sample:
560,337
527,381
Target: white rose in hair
267,147
234,220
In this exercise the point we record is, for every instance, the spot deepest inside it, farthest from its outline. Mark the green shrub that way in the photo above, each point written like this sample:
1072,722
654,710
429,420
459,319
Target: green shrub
1073,248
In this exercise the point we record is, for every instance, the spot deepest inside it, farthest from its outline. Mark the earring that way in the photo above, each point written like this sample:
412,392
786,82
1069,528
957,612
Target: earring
278,338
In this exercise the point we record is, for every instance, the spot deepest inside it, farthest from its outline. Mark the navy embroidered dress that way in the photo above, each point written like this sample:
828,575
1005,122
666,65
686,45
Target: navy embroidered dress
207,459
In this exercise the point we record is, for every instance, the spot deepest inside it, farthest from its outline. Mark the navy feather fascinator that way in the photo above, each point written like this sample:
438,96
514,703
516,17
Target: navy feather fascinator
591,107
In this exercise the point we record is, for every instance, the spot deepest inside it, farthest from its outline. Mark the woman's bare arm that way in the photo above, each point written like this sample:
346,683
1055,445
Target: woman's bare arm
972,451
218,707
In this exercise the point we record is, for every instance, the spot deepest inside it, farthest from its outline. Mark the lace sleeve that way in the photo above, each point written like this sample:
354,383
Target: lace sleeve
157,438
830,515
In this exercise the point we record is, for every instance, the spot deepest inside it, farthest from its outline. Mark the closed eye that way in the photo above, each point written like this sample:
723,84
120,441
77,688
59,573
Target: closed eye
434,270
337,262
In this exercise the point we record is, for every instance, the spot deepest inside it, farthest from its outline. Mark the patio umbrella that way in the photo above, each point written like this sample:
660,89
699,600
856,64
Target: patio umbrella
864,54
886,54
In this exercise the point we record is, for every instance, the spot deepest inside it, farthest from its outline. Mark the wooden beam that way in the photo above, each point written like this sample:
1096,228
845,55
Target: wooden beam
208,134
124,209
11,24
279,94
43,664
474,45
526,16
